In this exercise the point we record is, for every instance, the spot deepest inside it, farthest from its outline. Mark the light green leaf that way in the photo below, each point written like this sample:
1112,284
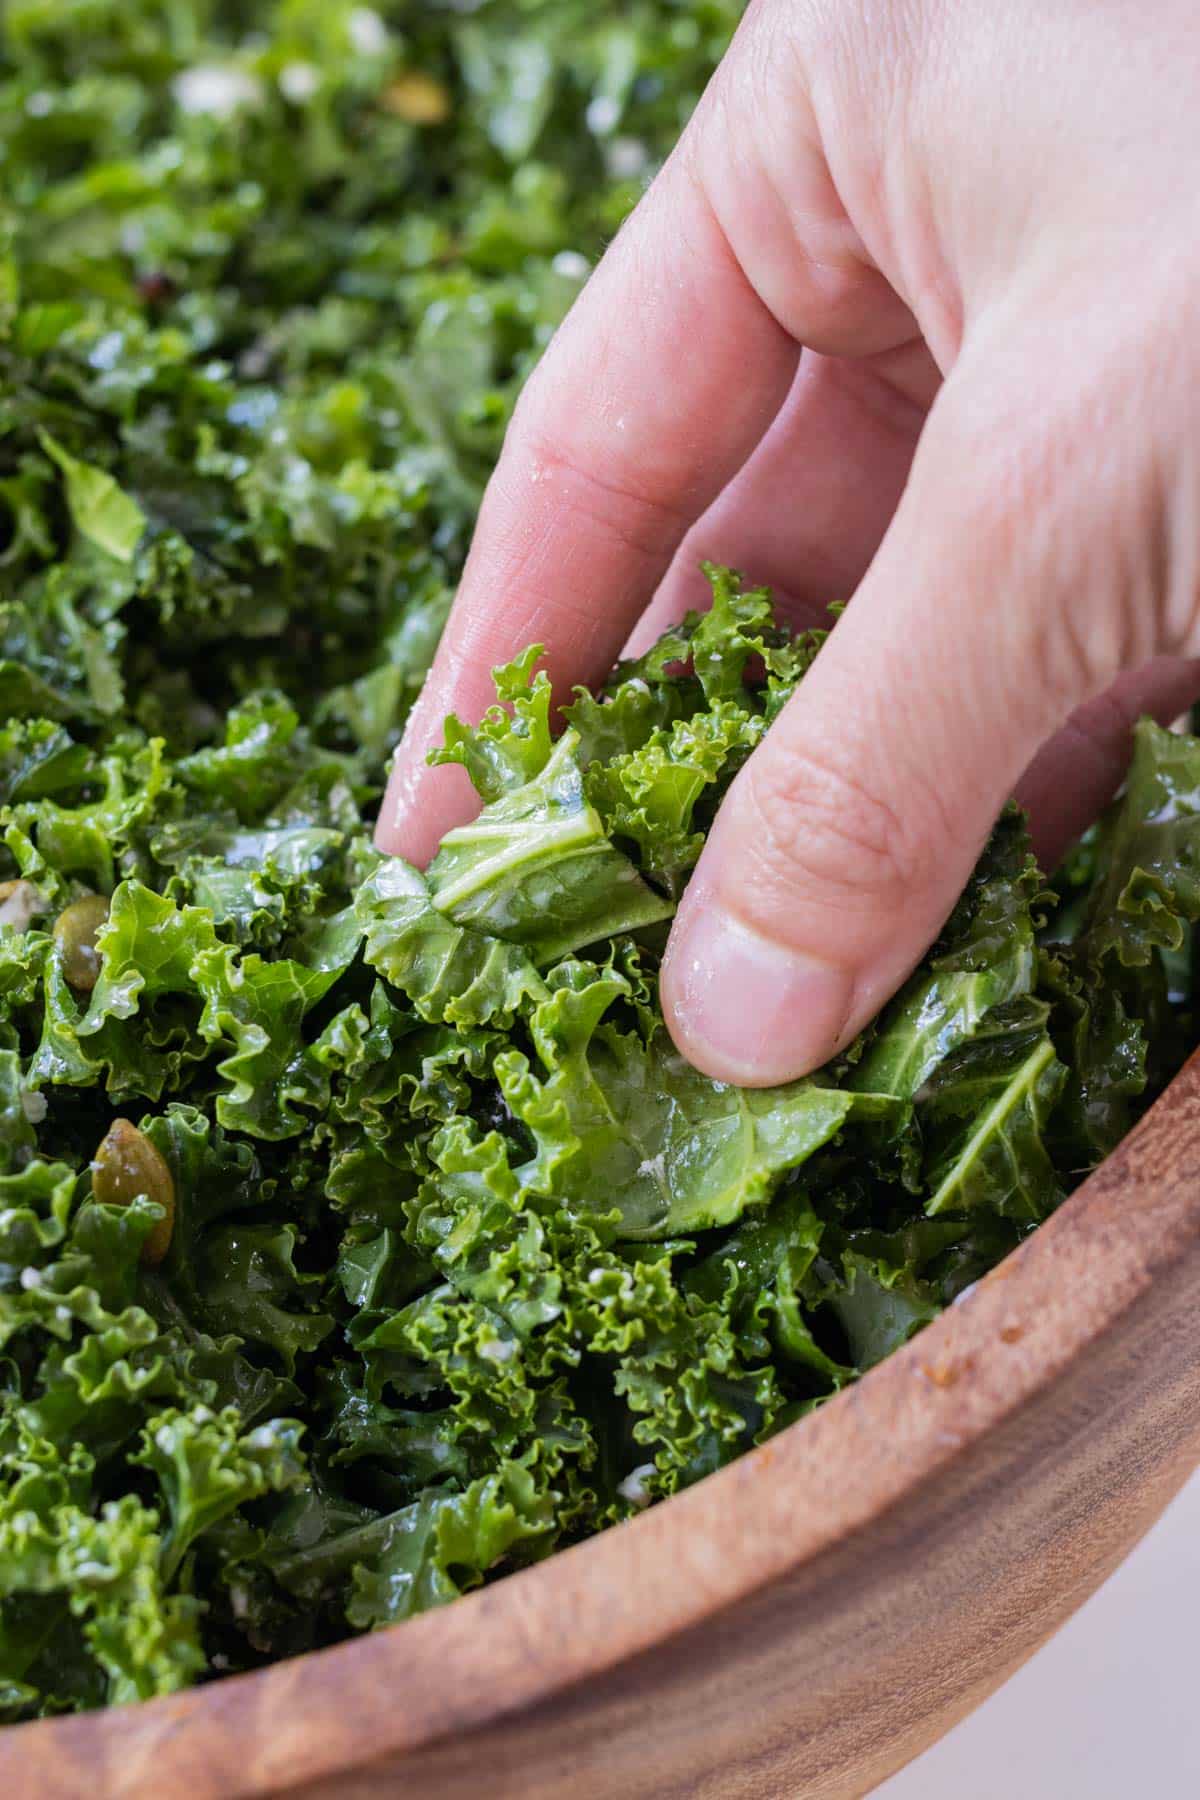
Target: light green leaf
537,868
102,512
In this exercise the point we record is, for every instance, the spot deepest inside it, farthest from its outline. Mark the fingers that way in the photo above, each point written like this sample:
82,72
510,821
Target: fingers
843,844
665,375
662,379
808,510
1075,775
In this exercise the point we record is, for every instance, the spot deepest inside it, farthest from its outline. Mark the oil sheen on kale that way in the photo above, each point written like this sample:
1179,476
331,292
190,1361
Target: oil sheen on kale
362,1235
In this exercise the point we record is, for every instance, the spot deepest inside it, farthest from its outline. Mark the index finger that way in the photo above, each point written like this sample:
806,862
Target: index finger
663,377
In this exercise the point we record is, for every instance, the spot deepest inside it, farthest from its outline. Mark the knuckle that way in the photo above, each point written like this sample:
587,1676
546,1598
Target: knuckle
593,479
814,826
760,135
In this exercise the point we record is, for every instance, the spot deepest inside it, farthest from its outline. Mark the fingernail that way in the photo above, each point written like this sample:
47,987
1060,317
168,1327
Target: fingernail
747,1010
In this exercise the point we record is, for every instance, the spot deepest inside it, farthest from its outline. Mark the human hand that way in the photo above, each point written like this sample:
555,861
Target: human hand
981,224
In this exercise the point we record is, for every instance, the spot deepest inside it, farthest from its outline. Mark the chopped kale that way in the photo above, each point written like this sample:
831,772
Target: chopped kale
362,1233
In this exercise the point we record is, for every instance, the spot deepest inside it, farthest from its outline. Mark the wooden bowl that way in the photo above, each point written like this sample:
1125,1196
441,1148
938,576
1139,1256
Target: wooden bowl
799,1624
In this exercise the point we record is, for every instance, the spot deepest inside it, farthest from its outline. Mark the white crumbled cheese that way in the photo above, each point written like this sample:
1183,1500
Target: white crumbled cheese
39,104
602,114
368,33
216,89
299,81
633,1488
220,1660
239,1602
164,1437
30,1278
63,1315
572,265
35,1106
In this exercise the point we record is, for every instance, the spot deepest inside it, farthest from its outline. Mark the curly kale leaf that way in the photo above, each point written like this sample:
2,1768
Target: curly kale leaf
538,868
623,1123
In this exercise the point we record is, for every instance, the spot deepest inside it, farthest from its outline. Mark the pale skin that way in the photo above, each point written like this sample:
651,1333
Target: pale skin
911,314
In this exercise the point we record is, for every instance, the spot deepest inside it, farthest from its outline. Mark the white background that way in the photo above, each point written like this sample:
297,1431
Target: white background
1109,1709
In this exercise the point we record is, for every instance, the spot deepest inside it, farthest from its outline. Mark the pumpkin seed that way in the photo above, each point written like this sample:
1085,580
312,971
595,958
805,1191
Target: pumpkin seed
75,932
126,1165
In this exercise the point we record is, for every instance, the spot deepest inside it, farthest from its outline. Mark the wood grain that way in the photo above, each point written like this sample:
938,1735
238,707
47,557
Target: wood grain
800,1624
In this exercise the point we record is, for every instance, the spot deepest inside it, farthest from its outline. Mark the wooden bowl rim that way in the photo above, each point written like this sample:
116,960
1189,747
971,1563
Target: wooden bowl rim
589,1608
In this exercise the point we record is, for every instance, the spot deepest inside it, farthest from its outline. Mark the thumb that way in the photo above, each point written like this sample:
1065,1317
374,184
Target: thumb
843,844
